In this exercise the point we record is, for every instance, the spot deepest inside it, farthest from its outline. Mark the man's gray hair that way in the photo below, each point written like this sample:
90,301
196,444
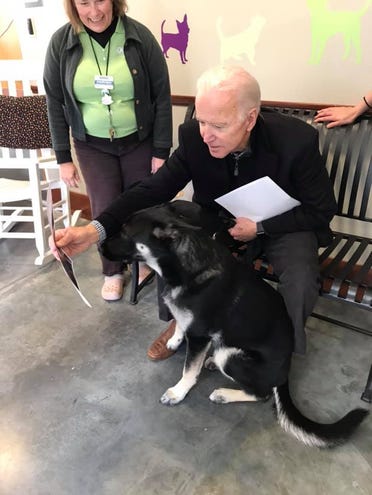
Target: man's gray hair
232,78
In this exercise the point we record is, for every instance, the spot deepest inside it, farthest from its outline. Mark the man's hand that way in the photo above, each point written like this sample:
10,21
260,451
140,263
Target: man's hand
244,229
73,240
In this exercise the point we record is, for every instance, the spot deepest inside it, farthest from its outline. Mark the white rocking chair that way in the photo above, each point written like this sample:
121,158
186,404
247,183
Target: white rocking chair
25,144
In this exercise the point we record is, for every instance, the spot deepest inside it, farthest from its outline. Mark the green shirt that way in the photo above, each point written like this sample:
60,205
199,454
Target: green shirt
95,114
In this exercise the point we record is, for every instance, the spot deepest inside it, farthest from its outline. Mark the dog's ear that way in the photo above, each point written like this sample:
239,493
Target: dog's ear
167,232
187,211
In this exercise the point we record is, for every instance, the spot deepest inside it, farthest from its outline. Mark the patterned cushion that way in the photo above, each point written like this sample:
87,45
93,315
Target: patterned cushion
24,122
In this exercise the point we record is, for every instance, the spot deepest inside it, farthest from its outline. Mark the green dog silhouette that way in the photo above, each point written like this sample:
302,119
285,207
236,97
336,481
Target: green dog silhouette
325,23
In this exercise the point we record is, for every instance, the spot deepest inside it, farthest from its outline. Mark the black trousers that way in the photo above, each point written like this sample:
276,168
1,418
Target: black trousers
294,258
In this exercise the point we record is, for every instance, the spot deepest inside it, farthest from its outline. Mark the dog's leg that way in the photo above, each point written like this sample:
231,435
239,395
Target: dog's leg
234,364
175,341
195,355
226,395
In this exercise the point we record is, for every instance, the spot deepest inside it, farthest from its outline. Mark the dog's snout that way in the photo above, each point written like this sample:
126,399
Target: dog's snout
119,247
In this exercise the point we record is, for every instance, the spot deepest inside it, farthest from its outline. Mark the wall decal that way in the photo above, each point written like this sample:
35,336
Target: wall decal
33,3
179,40
325,23
10,48
242,44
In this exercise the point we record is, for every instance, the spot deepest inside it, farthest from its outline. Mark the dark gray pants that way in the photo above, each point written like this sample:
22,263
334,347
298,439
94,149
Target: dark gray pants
108,170
294,258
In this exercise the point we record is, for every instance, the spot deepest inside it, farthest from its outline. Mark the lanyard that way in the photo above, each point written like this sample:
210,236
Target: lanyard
95,56
106,91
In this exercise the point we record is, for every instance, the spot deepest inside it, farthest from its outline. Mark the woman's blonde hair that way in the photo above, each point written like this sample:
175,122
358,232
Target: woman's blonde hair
120,7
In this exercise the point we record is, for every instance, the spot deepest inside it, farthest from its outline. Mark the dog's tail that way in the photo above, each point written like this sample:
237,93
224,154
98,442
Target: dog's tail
309,432
162,27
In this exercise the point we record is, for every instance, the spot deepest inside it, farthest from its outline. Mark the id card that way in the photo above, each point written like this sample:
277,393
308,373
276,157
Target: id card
103,82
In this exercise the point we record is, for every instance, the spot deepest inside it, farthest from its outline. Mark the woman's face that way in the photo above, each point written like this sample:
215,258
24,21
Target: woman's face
95,14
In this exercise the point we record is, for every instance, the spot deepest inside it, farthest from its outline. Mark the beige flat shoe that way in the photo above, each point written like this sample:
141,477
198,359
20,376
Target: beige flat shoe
113,288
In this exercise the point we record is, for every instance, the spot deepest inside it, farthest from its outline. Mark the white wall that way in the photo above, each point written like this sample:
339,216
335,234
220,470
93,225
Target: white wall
45,20
278,55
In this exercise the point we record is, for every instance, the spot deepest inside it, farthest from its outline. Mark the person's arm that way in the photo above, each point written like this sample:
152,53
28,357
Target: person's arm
153,190
312,187
163,186
336,116
59,128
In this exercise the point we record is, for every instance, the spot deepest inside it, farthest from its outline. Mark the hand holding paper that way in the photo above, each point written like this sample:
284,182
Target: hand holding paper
65,260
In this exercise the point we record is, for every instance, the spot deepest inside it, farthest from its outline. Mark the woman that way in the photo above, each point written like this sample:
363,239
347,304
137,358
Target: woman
107,84
344,115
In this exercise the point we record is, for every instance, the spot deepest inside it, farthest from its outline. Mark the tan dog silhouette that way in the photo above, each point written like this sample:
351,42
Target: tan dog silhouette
241,44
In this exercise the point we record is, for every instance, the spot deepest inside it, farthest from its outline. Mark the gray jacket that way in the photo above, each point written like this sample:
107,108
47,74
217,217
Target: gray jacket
150,78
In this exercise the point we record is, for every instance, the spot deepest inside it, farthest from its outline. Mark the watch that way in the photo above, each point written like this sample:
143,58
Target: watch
259,229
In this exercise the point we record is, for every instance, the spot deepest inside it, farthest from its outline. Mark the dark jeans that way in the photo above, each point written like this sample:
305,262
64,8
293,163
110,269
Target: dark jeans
109,168
294,258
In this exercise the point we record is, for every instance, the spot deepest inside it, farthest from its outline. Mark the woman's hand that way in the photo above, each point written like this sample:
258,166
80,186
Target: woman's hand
336,116
156,163
69,174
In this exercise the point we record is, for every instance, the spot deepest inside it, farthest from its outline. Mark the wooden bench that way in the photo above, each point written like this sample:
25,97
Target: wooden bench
345,265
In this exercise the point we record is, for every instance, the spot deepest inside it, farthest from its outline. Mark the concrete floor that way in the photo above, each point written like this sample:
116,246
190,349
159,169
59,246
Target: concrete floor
80,411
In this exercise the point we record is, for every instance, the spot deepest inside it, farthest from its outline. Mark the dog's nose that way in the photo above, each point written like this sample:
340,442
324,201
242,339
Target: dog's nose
118,248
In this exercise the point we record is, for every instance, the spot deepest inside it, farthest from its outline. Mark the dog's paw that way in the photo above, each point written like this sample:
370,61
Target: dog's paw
174,343
170,398
219,396
210,364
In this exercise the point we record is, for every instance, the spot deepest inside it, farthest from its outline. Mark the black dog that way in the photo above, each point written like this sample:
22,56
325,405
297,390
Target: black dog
217,300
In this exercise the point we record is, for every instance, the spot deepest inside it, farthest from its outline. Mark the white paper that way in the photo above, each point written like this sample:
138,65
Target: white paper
65,260
258,200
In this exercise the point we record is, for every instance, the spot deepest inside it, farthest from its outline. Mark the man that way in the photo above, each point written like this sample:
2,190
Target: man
230,144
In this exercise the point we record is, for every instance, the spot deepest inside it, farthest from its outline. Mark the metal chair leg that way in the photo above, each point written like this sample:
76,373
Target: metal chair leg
136,287
367,394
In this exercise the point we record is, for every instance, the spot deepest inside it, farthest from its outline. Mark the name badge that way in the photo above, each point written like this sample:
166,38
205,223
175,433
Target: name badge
103,82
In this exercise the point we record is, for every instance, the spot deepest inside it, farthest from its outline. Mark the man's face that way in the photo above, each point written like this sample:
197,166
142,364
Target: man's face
220,123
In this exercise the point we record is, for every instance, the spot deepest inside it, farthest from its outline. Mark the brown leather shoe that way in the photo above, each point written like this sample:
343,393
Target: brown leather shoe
158,349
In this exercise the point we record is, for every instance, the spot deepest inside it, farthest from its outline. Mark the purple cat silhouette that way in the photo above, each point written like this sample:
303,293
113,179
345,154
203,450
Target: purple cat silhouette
178,40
